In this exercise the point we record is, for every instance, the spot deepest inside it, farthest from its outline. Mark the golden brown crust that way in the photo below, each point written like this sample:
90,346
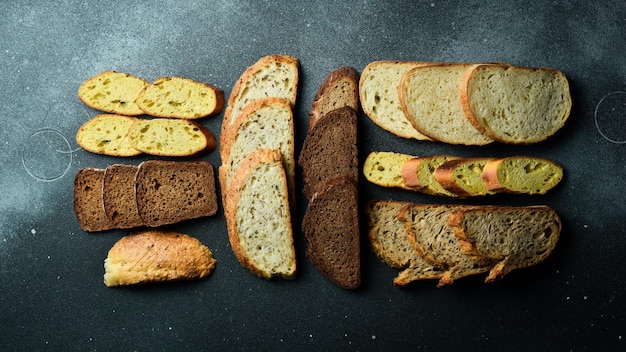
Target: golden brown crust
409,173
490,175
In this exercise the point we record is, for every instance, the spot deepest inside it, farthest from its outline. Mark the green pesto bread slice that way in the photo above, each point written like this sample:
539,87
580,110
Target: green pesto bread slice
385,169
463,177
522,174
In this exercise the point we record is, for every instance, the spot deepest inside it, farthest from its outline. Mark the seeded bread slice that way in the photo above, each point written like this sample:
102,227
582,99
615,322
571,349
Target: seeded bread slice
258,216
378,92
178,97
463,177
171,137
88,201
519,105
171,191
385,169
107,134
120,203
339,89
112,92
331,228
521,174
516,237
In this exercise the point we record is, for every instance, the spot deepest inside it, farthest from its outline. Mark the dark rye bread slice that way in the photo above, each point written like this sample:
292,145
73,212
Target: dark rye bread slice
331,228
88,202
330,150
173,191
120,204
339,89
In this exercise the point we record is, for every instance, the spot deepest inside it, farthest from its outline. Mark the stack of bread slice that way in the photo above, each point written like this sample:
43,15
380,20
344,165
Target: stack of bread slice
448,242
329,164
258,166
465,103
454,176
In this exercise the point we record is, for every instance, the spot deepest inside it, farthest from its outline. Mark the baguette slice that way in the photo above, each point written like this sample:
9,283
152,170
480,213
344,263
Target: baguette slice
419,173
339,89
107,134
430,98
112,92
177,97
258,216
88,201
331,227
521,174
378,92
156,256
120,203
463,177
386,169
518,105
171,191
516,237
171,137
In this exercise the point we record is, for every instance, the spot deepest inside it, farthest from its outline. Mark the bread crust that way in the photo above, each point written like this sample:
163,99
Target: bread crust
351,100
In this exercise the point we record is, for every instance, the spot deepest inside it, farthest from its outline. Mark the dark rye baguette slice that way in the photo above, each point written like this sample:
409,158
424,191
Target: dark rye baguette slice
330,150
171,191
331,228
120,203
515,237
88,201
339,89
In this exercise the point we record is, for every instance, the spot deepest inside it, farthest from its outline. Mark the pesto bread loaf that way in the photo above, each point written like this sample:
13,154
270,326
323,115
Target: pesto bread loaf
178,97
156,256
521,174
339,89
107,134
112,92
171,137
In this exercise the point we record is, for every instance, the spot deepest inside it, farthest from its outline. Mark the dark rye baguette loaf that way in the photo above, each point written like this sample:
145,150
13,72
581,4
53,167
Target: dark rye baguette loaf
120,203
88,201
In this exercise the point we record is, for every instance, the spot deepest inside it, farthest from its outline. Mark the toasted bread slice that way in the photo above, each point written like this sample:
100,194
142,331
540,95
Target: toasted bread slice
339,89
112,92
120,203
521,174
107,134
171,137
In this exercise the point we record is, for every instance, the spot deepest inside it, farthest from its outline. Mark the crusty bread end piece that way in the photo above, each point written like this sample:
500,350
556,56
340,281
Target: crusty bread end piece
107,134
112,92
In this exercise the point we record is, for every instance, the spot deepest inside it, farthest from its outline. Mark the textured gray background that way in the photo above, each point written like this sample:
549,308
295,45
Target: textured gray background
51,291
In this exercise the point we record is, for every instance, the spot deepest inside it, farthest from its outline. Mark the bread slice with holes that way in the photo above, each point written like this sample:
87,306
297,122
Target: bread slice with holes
378,93
512,104
385,169
178,97
112,92
515,237
339,89
521,174
120,203
463,177
258,216
107,134
171,137
157,256
88,201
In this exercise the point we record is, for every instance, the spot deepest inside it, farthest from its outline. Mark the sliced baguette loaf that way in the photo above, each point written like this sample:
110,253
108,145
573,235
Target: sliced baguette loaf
521,174
331,227
88,201
156,256
513,104
120,203
339,89
419,173
178,97
378,92
107,134
112,92
516,237
171,137
385,169
463,177
258,216
430,99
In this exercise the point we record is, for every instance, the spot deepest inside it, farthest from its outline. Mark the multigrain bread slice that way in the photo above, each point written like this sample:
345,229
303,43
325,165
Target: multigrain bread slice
112,92
430,98
378,93
258,216
88,201
385,169
120,203
330,150
521,174
157,256
512,104
171,191
107,134
331,228
516,237
178,97
339,89
171,137
463,177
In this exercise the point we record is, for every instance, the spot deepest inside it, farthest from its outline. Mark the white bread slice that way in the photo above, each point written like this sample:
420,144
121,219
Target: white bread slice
339,89
521,174
463,177
178,97
516,237
171,137
258,216
385,169
107,134
112,92
519,105
430,98
378,92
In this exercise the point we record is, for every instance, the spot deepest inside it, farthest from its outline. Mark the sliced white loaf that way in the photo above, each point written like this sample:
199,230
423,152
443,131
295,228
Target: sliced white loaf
112,92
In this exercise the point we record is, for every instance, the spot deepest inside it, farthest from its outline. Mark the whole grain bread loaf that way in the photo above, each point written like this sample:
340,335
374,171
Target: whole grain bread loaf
107,134
339,89
112,92
88,201
120,203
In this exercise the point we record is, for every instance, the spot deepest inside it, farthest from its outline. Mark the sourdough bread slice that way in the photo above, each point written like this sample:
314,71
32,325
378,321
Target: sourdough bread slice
378,93
171,191
171,137
385,169
331,228
339,89
519,105
430,98
88,201
107,134
178,97
156,256
112,92
120,203
463,177
516,237
330,150
258,216
521,174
